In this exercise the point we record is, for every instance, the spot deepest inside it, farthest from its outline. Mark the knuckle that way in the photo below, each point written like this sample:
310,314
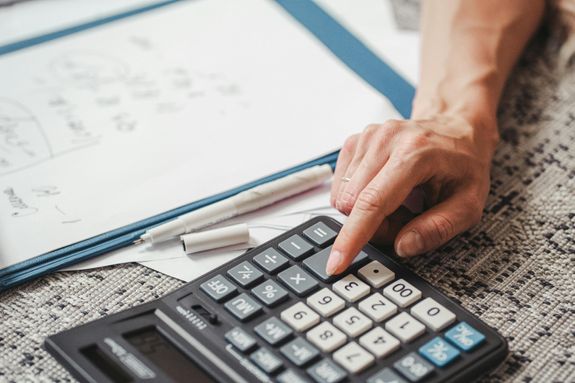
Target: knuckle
392,125
442,229
345,202
350,143
369,200
371,129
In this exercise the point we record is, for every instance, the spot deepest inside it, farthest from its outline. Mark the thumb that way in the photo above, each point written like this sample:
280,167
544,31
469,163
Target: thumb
438,225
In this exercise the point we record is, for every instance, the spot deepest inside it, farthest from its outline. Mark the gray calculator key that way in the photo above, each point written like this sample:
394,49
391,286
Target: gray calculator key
299,351
413,367
245,274
240,339
270,293
320,233
290,376
298,280
326,371
386,376
243,307
265,360
218,288
271,260
273,330
296,247
317,263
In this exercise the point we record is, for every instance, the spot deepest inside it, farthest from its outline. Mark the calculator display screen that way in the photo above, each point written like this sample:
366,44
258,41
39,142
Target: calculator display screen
166,356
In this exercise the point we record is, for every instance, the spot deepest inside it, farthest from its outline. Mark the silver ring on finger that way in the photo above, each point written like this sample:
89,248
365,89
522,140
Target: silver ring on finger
345,179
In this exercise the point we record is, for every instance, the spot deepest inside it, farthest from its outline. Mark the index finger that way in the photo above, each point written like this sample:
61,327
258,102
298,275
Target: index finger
381,197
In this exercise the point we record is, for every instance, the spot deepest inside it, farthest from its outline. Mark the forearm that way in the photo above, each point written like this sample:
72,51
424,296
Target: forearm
468,50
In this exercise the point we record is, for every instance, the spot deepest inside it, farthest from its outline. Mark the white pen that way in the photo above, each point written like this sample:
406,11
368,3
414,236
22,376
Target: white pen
244,202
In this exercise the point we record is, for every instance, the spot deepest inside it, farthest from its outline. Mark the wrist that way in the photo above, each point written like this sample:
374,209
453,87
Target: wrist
474,106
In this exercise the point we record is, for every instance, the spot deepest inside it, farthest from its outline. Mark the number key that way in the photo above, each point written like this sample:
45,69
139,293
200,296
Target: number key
405,327
351,288
353,357
300,317
377,307
352,322
402,293
326,337
326,302
434,315
379,342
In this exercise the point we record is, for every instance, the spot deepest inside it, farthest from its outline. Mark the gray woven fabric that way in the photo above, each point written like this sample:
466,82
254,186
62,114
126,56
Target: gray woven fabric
515,270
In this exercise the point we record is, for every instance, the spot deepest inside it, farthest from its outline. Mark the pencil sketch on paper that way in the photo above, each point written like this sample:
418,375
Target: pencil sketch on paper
23,141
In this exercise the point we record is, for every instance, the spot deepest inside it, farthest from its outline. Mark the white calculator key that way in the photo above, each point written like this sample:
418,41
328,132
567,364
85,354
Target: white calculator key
377,307
326,337
326,302
434,315
379,342
352,322
402,293
351,288
300,317
376,274
405,327
353,357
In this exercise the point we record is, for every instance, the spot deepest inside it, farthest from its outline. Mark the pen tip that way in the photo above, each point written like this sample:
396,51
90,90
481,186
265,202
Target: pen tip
138,241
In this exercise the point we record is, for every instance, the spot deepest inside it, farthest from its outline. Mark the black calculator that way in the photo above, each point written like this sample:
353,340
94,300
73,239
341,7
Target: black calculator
273,315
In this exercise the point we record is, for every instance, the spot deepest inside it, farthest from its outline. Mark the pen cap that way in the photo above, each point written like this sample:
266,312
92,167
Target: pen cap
216,238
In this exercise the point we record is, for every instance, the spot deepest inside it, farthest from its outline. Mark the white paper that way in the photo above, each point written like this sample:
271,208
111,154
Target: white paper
264,225
107,127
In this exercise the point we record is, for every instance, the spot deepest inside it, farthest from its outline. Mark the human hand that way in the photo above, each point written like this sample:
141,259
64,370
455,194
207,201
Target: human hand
445,156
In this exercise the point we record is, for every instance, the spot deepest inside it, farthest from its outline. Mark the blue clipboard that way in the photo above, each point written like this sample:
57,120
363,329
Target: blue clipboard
333,35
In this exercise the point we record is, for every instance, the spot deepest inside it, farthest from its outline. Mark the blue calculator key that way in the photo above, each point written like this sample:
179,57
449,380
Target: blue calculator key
386,376
413,367
439,352
464,336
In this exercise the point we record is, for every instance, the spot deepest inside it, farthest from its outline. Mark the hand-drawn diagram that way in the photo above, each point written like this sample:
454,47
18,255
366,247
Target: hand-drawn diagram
86,98
22,140
88,68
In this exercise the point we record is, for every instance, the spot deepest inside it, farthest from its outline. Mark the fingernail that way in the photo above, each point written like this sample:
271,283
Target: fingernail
410,244
333,262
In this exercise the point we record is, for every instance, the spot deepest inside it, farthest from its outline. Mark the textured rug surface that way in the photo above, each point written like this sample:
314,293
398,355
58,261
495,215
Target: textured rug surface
516,270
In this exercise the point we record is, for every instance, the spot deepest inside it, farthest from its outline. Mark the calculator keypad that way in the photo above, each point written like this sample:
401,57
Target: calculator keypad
402,293
273,331
379,342
326,337
326,302
300,317
434,315
330,327
351,288
245,274
298,280
352,322
405,327
270,293
353,357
